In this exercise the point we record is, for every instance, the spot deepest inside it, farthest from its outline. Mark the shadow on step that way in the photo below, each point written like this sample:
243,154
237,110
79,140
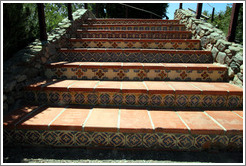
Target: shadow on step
83,155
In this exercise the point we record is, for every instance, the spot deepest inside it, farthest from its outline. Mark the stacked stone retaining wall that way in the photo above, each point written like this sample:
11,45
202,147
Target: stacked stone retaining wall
27,65
214,40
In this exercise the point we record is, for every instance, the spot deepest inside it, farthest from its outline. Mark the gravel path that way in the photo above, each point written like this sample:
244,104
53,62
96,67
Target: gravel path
82,155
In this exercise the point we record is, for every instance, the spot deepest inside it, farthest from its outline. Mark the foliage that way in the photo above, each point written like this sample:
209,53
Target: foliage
20,26
222,21
116,10
20,23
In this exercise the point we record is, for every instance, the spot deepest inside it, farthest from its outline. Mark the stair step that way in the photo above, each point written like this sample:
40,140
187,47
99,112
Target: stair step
130,21
147,27
196,129
134,55
131,34
136,71
179,44
136,93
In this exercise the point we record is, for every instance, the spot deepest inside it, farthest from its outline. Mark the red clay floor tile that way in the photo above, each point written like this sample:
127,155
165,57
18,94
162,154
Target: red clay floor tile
41,120
167,122
135,121
231,122
70,119
103,120
200,123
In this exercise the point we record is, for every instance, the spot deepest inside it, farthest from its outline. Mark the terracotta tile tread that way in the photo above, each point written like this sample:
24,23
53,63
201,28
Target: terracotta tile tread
126,25
171,66
131,31
133,50
133,40
144,87
129,120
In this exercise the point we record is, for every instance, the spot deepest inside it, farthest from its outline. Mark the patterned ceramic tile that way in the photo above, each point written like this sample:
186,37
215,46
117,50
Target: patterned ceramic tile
201,141
134,74
33,137
83,139
129,140
150,140
221,140
117,140
135,27
185,141
134,140
100,139
234,101
213,100
237,140
136,57
167,141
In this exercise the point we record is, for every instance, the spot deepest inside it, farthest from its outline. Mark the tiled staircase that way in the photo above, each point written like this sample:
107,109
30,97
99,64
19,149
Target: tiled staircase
131,83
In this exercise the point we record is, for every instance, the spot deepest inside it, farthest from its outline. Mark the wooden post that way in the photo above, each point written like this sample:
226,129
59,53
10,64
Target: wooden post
233,23
86,5
69,10
212,19
96,10
42,24
126,12
180,5
198,10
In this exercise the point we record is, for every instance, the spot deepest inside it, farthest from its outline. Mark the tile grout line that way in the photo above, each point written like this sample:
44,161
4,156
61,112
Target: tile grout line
57,116
175,96
195,87
118,123
96,86
151,121
215,121
237,114
183,121
88,116
146,87
71,84
29,114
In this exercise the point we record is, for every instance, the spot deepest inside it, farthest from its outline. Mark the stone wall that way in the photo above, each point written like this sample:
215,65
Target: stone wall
28,64
214,40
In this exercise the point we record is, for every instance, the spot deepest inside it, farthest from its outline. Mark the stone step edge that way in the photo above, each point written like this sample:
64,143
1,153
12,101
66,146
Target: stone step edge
133,40
133,50
152,124
141,66
143,87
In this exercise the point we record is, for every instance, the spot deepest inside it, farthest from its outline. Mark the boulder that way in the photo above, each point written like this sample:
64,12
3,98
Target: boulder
221,57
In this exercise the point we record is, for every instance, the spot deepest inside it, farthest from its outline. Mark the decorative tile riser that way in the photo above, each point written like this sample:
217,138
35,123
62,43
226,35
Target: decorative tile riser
146,28
129,22
133,99
135,74
135,35
162,141
135,57
141,45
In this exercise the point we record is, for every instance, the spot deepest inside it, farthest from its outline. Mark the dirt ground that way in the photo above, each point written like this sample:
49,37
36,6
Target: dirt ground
82,155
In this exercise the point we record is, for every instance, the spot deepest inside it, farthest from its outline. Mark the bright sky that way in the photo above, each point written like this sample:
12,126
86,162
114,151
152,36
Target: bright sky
218,7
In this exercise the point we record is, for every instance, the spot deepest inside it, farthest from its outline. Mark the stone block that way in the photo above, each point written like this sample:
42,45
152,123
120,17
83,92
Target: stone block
238,58
214,52
221,57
